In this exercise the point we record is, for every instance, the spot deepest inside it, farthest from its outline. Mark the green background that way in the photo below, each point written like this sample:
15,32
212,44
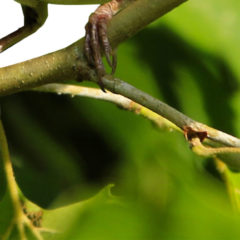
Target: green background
65,150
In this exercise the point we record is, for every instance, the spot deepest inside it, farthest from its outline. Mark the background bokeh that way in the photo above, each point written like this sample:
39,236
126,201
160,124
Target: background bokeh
65,150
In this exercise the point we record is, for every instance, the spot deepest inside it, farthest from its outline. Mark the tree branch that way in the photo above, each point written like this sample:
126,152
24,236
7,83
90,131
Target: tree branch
169,118
179,119
70,63
134,99
122,102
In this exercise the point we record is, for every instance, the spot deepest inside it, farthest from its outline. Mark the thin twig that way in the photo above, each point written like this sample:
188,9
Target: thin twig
12,188
122,102
179,119
19,219
130,95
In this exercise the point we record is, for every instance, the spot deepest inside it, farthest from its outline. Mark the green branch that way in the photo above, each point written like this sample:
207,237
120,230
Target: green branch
19,219
164,116
69,63
121,101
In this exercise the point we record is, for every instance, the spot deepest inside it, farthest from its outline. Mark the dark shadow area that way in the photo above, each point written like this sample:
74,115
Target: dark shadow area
163,50
56,142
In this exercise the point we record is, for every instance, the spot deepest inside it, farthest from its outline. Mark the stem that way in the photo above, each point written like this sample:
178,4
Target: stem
123,102
169,118
132,98
12,187
11,183
179,119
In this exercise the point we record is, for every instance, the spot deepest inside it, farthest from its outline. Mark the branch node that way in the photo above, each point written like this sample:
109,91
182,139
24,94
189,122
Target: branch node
190,134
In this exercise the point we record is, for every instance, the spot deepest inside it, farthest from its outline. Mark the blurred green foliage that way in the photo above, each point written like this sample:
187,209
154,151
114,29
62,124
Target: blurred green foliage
65,149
